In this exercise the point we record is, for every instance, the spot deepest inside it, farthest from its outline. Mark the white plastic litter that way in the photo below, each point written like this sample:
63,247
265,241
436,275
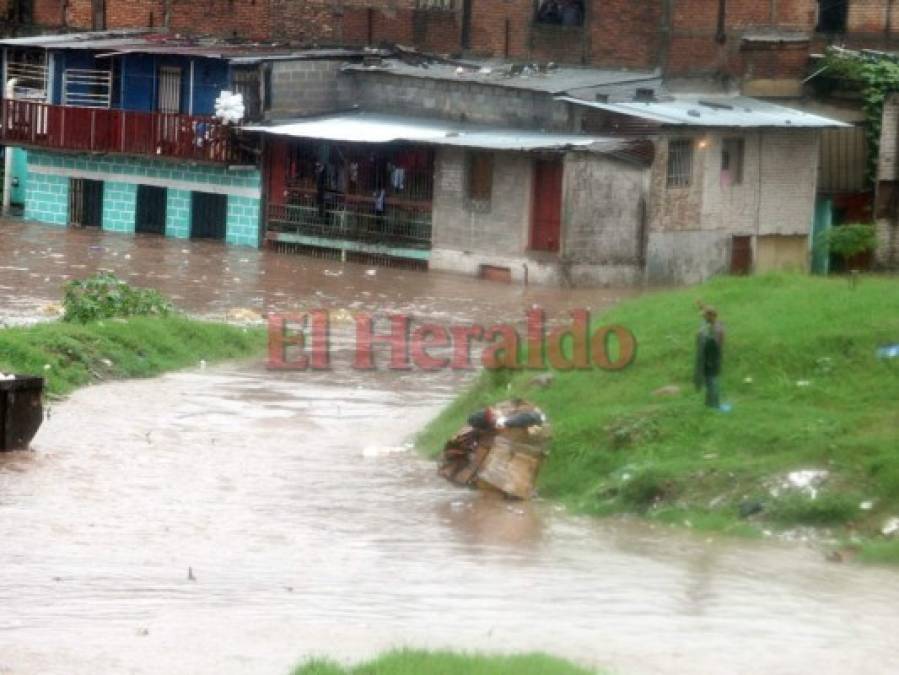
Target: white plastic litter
890,527
229,107
6,377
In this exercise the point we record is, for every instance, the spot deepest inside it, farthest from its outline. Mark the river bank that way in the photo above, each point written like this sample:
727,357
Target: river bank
807,391
70,355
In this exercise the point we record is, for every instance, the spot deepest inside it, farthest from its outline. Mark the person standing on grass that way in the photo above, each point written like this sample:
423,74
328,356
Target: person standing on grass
709,356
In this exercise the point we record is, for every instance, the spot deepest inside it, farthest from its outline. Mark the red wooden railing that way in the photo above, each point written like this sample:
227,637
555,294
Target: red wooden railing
203,139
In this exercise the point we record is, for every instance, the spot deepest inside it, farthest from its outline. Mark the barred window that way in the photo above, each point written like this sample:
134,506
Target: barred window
435,4
732,161
680,163
480,176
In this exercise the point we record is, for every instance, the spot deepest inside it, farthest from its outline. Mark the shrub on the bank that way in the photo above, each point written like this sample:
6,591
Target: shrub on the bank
105,296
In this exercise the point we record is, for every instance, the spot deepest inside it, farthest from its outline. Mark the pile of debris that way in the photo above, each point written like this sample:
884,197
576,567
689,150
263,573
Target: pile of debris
501,449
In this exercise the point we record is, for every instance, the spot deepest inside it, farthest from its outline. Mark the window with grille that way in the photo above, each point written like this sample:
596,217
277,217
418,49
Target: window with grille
480,177
680,163
169,90
435,4
732,150
245,81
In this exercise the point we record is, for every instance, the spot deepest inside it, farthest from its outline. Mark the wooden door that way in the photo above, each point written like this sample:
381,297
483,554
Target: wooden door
208,216
151,209
741,255
546,222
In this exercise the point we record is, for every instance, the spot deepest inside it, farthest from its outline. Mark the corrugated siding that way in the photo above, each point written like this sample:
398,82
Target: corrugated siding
844,155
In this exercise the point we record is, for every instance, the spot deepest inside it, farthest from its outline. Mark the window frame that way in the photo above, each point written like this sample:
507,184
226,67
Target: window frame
479,164
680,176
733,148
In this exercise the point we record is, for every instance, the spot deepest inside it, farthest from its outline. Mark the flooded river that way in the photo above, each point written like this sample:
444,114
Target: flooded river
233,520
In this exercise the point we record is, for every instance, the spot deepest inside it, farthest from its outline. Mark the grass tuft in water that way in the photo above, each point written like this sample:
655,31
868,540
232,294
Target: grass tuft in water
411,662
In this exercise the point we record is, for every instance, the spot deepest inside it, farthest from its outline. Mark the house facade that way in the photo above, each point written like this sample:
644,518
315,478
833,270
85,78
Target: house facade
117,131
576,176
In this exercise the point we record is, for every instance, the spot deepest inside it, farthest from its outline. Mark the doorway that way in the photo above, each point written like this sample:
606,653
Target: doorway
208,216
151,209
546,223
741,255
85,202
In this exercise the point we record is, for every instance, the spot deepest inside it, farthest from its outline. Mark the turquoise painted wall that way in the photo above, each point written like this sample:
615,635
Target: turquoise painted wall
19,174
177,214
47,199
119,205
47,194
243,221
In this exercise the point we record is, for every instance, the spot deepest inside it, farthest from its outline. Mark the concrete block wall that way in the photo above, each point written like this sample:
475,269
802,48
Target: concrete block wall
47,199
177,213
242,221
48,184
304,87
119,206
460,101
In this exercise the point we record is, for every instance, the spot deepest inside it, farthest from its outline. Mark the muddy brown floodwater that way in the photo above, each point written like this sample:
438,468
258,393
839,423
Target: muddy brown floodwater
312,529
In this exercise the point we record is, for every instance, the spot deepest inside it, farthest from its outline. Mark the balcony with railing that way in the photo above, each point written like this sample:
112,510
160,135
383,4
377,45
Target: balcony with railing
102,130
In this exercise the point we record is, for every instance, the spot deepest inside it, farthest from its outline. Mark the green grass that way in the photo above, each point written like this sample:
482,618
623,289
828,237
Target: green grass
618,448
79,354
408,662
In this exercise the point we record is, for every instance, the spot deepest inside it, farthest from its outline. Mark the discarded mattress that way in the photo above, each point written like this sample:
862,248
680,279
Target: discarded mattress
501,449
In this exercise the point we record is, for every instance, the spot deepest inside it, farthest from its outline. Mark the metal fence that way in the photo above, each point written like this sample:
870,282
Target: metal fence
394,228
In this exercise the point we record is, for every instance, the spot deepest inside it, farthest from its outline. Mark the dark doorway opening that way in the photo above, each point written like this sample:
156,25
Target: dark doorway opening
151,209
546,224
832,16
85,202
208,215
741,255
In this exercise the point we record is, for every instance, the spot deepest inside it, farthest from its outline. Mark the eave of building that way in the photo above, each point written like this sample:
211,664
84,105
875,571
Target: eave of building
712,111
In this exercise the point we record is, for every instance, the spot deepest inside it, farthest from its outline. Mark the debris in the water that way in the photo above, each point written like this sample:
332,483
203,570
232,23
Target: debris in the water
52,309
543,380
501,449
190,574
243,314
143,632
371,273
329,273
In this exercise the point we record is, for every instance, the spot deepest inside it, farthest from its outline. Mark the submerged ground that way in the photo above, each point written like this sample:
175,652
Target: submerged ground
312,530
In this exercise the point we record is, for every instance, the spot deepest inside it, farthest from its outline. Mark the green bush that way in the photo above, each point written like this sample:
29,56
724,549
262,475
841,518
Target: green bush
105,296
848,241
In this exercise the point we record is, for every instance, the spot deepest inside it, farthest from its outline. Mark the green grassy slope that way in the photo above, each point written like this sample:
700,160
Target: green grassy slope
807,393
78,354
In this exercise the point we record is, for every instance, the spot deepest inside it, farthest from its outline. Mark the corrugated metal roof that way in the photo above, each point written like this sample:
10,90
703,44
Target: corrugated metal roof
377,128
554,80
713,111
